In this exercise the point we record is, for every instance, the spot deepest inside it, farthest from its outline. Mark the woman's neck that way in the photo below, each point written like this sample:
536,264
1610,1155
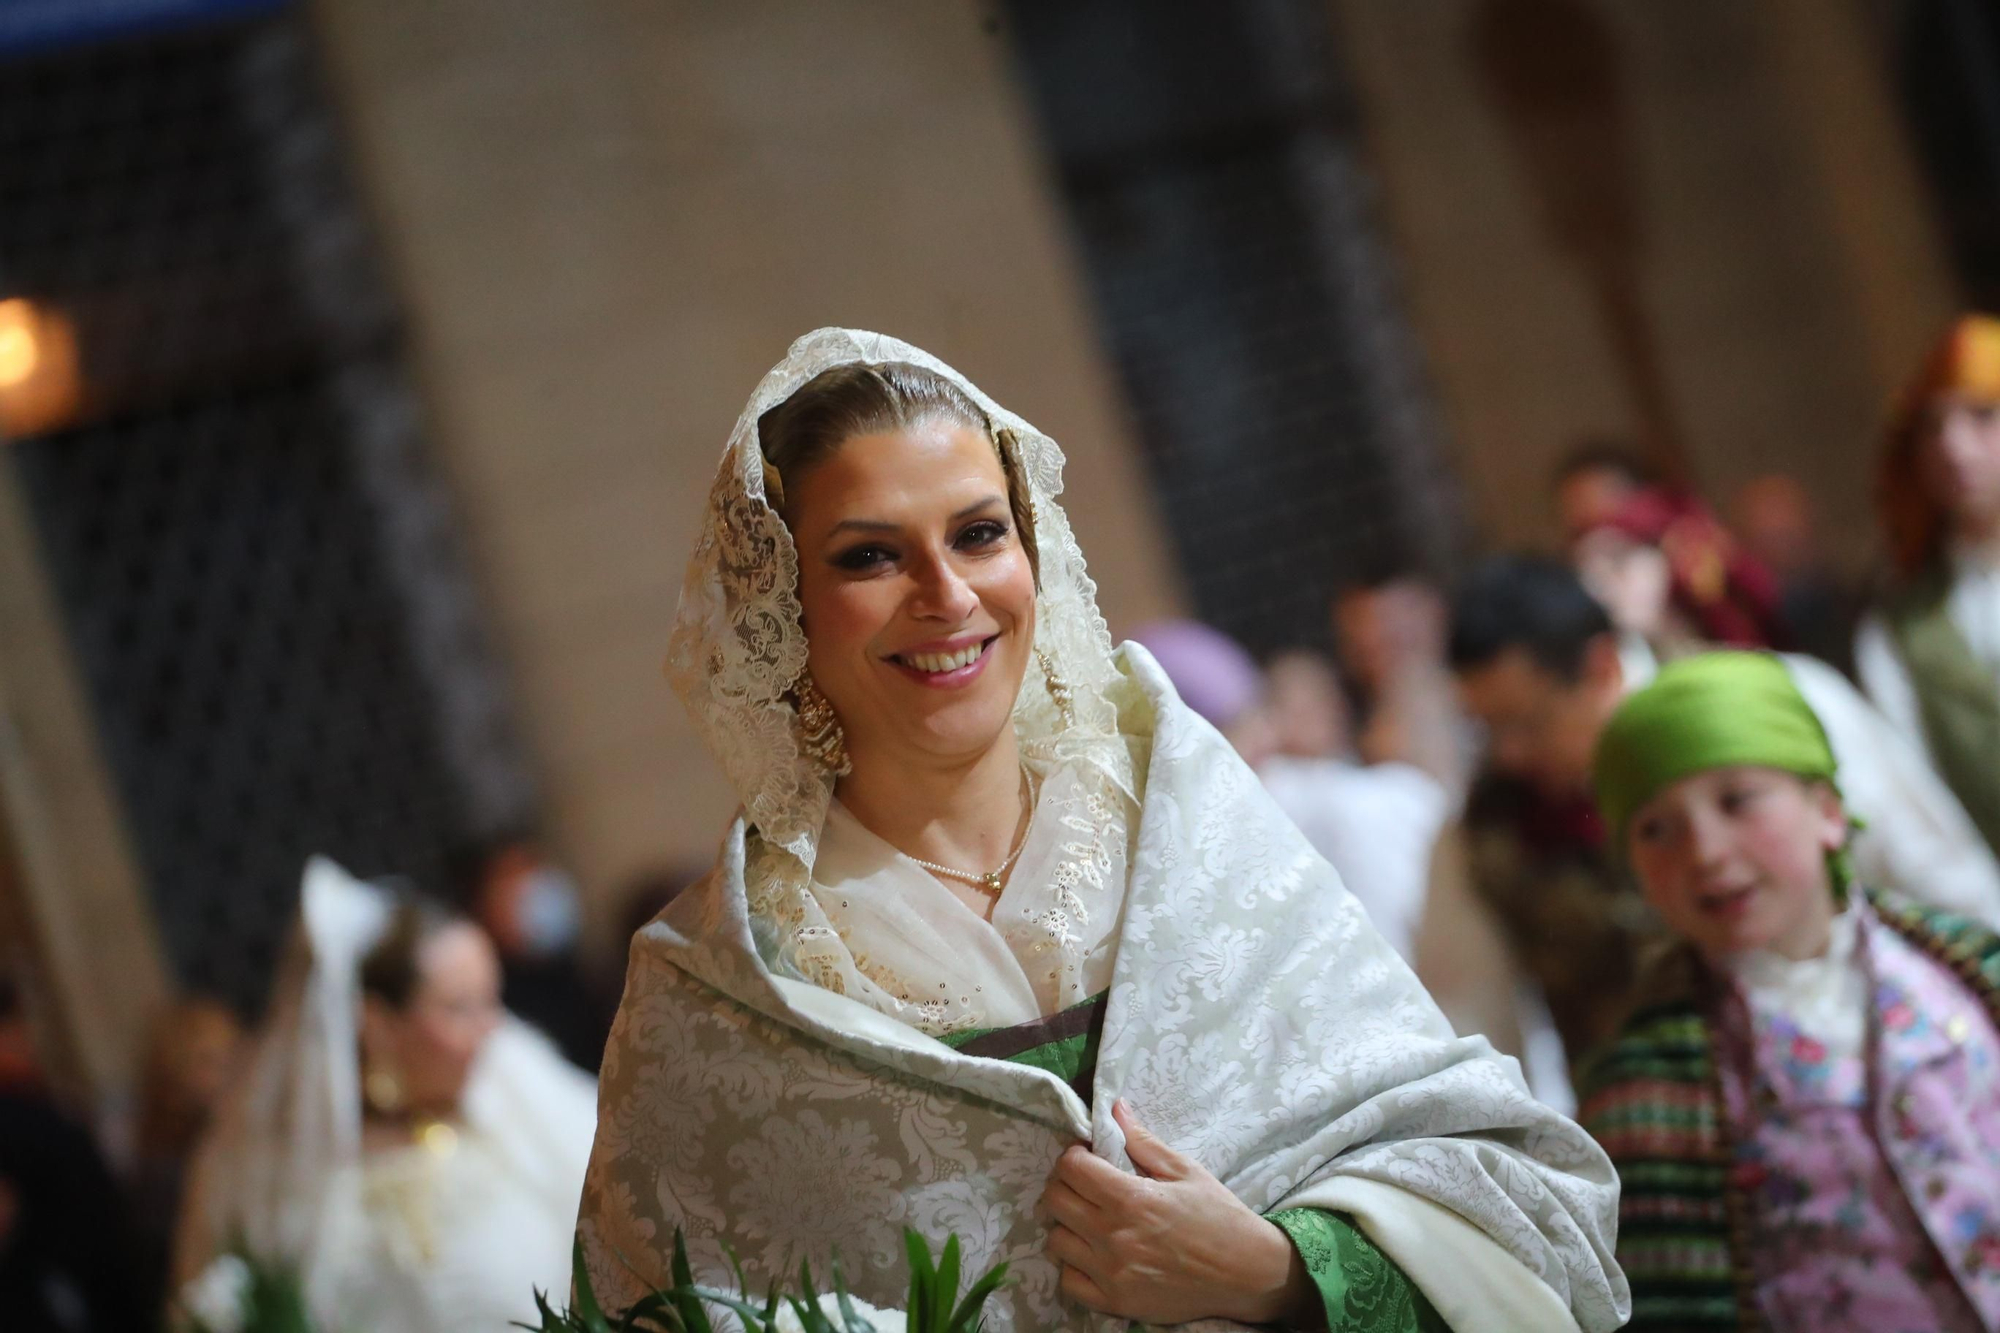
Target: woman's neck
387,1132
1810,937
963,814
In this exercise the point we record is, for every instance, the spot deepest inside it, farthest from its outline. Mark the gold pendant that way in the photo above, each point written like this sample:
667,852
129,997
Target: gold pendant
991,883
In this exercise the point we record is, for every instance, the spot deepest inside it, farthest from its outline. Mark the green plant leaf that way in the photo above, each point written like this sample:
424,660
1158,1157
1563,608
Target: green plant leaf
551,1321
947,1283
809,1313
657,1308
970,1317
849,1316
682,1307
755,1320
687,1303
585,1314
923,1282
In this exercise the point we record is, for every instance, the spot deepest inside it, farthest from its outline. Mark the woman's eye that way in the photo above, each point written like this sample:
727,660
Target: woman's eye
860,558
983,533
1650,830
1735,800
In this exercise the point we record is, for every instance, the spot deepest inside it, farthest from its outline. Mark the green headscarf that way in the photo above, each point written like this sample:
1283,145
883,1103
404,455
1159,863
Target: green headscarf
1716,710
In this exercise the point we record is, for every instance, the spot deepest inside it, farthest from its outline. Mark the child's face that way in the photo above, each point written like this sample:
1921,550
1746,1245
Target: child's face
1734,859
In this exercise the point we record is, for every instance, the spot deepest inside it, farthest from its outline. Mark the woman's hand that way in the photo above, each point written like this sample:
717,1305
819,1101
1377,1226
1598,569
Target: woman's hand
1171,1244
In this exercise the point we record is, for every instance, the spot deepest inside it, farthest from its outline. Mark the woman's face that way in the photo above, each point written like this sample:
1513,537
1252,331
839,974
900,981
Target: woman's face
1308,711
1631,580
1961,463
432,1041
198,1056
1734,859
916,593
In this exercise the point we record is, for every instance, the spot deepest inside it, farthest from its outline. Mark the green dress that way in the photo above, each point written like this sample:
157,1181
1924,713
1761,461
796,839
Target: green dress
1361,1287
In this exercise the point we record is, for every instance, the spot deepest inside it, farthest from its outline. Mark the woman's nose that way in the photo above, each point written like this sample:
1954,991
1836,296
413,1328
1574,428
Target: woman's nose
1708,838
943,593
1958,441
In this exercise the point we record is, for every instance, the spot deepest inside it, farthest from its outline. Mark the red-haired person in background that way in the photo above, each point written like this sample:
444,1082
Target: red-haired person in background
1930,652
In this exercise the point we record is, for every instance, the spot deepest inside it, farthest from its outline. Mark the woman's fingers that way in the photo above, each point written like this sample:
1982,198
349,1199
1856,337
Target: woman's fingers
1098,1181
1151,1155
1082,1288
1071,1250
1071,1209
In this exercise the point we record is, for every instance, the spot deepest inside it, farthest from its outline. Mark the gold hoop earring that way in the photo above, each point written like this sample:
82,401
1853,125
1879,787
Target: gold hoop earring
825,742
1058,689
383,1090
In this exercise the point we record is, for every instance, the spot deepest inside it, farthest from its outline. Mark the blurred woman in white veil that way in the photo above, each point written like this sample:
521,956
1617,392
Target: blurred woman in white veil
399,1142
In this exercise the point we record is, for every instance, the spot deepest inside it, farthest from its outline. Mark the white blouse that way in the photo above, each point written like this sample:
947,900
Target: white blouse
918,940
1826,997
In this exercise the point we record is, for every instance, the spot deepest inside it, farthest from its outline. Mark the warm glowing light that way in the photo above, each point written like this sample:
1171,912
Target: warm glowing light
41,387
20,349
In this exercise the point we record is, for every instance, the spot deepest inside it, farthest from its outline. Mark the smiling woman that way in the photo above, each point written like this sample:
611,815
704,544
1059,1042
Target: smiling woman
953,969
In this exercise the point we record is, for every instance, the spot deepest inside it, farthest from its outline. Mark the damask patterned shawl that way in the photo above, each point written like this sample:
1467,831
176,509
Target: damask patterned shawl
1255,1021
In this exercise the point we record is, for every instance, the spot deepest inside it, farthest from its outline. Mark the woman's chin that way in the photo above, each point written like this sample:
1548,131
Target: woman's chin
959,731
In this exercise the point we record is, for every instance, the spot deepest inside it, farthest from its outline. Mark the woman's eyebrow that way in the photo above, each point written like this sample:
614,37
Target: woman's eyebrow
881,525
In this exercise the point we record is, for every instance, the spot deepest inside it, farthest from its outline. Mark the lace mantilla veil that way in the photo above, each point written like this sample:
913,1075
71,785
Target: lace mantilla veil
738,648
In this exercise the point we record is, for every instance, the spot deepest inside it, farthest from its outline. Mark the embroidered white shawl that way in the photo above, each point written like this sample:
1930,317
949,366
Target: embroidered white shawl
1256,1021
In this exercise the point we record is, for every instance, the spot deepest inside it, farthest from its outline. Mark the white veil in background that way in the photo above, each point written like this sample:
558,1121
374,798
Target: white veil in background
281,1162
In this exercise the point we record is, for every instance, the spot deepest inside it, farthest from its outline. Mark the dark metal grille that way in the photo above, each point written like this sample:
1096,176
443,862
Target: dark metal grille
1209,158
258,572
1945,56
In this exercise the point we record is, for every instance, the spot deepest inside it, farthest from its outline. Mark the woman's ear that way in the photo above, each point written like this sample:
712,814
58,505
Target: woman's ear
1832,812
1603,666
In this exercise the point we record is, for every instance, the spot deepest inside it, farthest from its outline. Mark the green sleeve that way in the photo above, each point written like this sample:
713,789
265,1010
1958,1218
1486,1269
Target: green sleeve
1362,1288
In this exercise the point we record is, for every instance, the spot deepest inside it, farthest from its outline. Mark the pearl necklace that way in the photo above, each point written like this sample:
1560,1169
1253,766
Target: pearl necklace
989,883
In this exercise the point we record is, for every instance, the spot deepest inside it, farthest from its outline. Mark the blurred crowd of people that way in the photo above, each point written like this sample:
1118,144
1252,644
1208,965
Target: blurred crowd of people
1440,757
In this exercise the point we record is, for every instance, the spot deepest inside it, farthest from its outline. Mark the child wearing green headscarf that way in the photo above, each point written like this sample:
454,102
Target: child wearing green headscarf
1805,1106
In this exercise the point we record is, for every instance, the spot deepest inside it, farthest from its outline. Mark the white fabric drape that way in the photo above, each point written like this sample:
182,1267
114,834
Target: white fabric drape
1825,997
1256,1021
1377,824
913,937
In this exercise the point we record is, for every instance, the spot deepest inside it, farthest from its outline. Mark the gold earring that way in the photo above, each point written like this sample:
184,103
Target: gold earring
825,742
382,1090
1058,689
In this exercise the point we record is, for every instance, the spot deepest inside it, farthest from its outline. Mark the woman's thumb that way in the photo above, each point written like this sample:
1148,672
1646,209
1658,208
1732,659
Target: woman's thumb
1148,1152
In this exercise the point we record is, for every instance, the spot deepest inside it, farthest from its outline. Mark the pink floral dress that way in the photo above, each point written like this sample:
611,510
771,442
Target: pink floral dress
1871,1155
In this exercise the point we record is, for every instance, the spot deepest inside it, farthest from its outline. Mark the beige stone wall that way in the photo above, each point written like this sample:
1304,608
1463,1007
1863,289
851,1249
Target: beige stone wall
1792,273
69,884
607,218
